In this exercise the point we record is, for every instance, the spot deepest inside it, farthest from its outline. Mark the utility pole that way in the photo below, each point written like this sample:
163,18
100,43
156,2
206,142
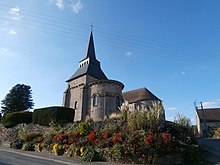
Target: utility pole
204,120
203,126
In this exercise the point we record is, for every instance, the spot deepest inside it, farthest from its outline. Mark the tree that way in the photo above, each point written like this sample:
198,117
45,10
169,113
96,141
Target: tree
182,120
19,98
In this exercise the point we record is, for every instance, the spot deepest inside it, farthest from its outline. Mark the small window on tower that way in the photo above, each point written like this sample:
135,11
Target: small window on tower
95,100
76,105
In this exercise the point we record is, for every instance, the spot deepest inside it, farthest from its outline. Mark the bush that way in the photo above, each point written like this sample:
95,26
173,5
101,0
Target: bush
28,136
12,119
28,146
192,154
84,128
150,118
58,149
17,144
45,116
90,154
217,133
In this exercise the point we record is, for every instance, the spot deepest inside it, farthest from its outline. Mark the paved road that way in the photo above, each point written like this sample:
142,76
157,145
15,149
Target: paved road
212,145
19,157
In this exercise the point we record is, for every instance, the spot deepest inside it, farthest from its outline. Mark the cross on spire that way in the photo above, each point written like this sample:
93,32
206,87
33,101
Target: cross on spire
92,26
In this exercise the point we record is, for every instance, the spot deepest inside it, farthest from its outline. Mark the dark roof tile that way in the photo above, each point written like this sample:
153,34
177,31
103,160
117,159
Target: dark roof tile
209,115
139,95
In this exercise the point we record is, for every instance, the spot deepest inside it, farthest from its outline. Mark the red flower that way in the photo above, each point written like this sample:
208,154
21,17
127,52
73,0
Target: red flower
166,136
76,133
71,140
150,133
96,141
106,134
148,139
116,138
91,136
59,137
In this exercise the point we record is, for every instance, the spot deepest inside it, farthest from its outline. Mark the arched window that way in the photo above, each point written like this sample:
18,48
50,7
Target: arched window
95,100
118,103
76,105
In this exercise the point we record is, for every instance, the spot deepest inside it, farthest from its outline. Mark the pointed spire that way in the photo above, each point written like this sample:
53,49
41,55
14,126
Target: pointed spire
90,52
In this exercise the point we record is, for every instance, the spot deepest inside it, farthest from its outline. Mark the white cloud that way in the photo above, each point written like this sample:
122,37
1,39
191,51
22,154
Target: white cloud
171,108
15,13
170,118
128,54
15,10
77,6
3,50
60,4
182,72
12,32
210,104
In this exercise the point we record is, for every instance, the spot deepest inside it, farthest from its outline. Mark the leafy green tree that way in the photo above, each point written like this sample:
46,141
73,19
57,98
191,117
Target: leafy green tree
19,98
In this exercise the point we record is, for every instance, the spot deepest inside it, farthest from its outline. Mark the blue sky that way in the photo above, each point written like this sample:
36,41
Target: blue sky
170,47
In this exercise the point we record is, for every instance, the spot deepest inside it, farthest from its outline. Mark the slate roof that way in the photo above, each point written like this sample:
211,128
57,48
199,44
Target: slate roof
139,95
209,115
91,70
93,67
90,51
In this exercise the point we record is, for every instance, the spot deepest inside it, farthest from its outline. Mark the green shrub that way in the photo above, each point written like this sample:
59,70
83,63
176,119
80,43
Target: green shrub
12,119
28,136
17,144
45,116
84,128
28,146
192,154
150,118
90,154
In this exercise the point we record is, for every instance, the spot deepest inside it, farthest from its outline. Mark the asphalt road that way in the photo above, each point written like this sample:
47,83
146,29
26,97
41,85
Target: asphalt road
12,158
19,157
212,145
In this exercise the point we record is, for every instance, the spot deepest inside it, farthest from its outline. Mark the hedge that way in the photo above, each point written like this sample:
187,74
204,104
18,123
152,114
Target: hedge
44,116
11,119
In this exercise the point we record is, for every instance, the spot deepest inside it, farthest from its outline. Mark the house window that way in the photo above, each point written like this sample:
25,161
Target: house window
95,100
118,102
76,105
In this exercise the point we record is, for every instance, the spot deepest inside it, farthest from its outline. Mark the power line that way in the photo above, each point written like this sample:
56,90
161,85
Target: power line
121,40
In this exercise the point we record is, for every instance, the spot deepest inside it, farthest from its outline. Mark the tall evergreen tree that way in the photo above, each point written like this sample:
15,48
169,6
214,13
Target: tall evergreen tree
19,98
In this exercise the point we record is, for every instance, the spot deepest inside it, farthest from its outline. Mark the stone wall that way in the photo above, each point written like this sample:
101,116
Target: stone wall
107,91
80,94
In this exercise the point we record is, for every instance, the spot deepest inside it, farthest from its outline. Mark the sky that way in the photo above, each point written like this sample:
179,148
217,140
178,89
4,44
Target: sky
170,47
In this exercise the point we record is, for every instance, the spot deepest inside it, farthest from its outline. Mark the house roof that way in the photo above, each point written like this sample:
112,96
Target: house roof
90,65
139,95
209,115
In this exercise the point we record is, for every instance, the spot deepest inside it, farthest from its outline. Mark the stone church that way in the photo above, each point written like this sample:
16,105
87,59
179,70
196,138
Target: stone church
93,95
89,90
